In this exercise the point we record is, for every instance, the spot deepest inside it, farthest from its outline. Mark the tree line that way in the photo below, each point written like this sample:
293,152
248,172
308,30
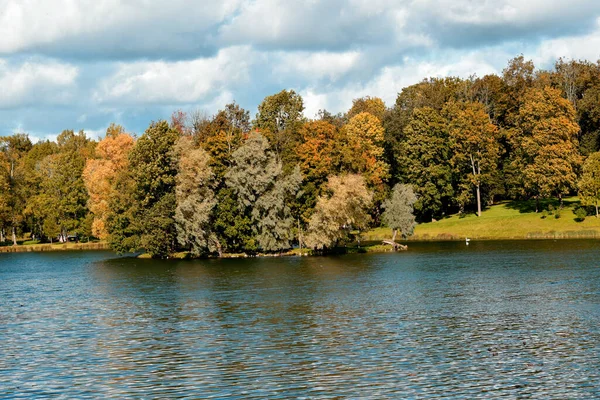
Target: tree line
229,183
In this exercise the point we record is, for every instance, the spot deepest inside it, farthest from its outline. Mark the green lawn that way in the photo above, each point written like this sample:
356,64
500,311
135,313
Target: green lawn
507,220
34,246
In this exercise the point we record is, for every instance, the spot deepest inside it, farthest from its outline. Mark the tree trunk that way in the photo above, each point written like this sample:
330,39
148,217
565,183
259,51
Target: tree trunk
478,201
537,203
299,235
394,236
476,173
596,210
2,235
560,201
14,236
219,248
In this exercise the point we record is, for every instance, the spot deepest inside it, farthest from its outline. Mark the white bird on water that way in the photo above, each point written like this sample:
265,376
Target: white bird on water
467,240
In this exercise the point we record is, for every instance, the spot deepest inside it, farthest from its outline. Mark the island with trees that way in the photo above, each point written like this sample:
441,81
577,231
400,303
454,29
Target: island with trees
229,184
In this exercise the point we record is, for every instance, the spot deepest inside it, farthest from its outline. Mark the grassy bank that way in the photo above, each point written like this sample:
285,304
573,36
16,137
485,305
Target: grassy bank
24,248
507,220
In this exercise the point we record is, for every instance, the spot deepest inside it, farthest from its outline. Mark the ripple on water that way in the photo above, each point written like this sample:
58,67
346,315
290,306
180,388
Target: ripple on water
514,320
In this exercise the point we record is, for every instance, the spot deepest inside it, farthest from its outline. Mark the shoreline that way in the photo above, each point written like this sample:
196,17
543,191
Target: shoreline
370,246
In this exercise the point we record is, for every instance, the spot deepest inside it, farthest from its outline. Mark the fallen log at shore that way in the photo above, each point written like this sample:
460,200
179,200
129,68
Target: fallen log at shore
396,246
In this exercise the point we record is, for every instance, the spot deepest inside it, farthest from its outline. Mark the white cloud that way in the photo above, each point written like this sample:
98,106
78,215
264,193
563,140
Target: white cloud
316,65
175,82
390,81
138,60
108,25
308,25
585,47
34,82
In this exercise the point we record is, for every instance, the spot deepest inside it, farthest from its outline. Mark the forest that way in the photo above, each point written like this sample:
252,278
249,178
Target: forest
229,183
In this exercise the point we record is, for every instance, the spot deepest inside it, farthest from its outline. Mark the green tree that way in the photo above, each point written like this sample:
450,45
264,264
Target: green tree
589,183
431,93
223,134
425,157
62,191
279,117
263,193
14,194
399,212
34,178
274,222
144,208
232,223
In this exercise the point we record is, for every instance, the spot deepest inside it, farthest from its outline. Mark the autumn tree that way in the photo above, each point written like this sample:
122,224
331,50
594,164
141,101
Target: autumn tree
320,150
364,152
589,183
548,149
518,78
319,155
372,105
100,173
344,208
475,149
223,134
195,199
398,212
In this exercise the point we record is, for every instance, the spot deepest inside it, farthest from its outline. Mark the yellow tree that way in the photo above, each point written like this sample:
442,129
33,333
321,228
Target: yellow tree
100,174
364,153
589,183
475,148
547,144
372,105
344,209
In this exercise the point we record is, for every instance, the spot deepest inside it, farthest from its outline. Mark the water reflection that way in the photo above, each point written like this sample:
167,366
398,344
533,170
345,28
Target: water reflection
504,319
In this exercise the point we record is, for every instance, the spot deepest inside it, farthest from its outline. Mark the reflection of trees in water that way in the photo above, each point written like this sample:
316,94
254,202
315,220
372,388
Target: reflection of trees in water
141,342
243,320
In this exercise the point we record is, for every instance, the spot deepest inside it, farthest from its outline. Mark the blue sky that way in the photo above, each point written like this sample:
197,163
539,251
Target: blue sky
68,64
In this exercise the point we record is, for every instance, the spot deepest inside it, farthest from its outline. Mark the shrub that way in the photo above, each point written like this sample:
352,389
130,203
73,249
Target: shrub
557,214
544,214
580,214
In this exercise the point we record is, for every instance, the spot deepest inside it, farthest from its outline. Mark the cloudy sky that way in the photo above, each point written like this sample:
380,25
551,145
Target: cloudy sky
81,64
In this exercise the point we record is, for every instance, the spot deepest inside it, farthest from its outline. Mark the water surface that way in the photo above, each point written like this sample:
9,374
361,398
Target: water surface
489,320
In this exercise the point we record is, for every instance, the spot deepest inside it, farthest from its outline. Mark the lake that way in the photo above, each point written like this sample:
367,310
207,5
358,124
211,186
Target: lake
514,319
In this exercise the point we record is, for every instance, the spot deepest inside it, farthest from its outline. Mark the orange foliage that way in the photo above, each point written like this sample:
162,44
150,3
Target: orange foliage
319,152
100,173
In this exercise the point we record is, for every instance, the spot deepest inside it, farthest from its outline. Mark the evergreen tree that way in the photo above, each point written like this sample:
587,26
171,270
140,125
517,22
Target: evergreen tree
145,204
